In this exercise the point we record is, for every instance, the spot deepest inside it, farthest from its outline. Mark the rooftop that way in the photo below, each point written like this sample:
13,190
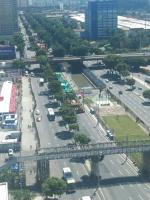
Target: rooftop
4,191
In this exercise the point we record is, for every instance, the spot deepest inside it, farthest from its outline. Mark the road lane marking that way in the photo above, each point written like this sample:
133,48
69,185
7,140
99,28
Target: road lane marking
148,195
127,171
111,174
65,163
130,198
120,172
112,162
147,185
101,192
140,197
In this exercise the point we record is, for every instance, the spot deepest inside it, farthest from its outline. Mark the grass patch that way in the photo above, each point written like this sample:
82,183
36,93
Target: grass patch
123,126
87,101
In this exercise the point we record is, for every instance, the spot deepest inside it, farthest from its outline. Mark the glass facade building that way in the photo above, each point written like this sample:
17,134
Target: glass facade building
101,18
8,17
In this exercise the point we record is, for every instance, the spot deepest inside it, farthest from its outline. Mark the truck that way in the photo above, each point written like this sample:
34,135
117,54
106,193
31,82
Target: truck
51,114
41,82
68,177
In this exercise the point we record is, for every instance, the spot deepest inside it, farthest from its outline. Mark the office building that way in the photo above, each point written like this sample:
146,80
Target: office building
23,3
101,19
8,18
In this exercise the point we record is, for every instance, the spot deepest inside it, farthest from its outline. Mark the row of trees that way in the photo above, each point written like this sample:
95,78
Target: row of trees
60,36
19,42
136,39
124,65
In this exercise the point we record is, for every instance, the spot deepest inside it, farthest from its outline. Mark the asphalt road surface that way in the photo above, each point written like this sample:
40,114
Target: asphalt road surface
134,100
118,180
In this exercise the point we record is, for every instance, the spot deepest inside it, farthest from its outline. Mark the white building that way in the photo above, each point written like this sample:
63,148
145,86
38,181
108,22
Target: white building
4,191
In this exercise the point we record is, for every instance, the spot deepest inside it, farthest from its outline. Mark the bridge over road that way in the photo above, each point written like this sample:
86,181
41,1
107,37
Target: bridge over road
94,152
87,58
75,58
88,151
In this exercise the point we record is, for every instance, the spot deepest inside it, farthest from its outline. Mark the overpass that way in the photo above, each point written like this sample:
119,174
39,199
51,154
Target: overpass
88,151
93,152
88,58
53,59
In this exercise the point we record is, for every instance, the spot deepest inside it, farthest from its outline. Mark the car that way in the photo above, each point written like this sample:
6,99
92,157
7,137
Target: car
10,153
110,87
106,80
139,88
26,73
32,74
37,112
53,197
120,92
39,118
8,137
92,111
109,135
86,198
108,132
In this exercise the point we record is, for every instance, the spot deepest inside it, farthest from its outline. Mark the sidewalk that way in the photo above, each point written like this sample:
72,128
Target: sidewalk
29,143
68,78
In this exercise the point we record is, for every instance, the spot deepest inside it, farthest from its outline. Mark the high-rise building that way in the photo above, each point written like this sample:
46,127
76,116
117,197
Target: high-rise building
23,3
8,18
101,19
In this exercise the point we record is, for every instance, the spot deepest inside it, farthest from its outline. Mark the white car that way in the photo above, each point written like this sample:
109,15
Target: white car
37,112
10,153
86,198
32,74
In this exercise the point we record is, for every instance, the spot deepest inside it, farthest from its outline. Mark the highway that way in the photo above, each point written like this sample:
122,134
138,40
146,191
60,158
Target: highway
132,99
117,179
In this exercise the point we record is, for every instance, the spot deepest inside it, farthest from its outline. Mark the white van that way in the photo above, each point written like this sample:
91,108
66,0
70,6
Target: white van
86,198
10,153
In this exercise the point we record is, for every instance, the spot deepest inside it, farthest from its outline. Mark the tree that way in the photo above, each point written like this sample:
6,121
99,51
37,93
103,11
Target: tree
18,64
59,52
122,68
54,86
111,62
80,50
131,82
54,186
135,63
146,94
68,113
21,195
40,52
74,127
42,59
81,138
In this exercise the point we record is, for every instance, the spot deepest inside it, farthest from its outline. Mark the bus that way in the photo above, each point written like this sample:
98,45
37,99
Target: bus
68,177
51,114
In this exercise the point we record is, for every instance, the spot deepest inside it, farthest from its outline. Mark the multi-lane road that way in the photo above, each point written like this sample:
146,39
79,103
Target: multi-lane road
117,180
134,100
